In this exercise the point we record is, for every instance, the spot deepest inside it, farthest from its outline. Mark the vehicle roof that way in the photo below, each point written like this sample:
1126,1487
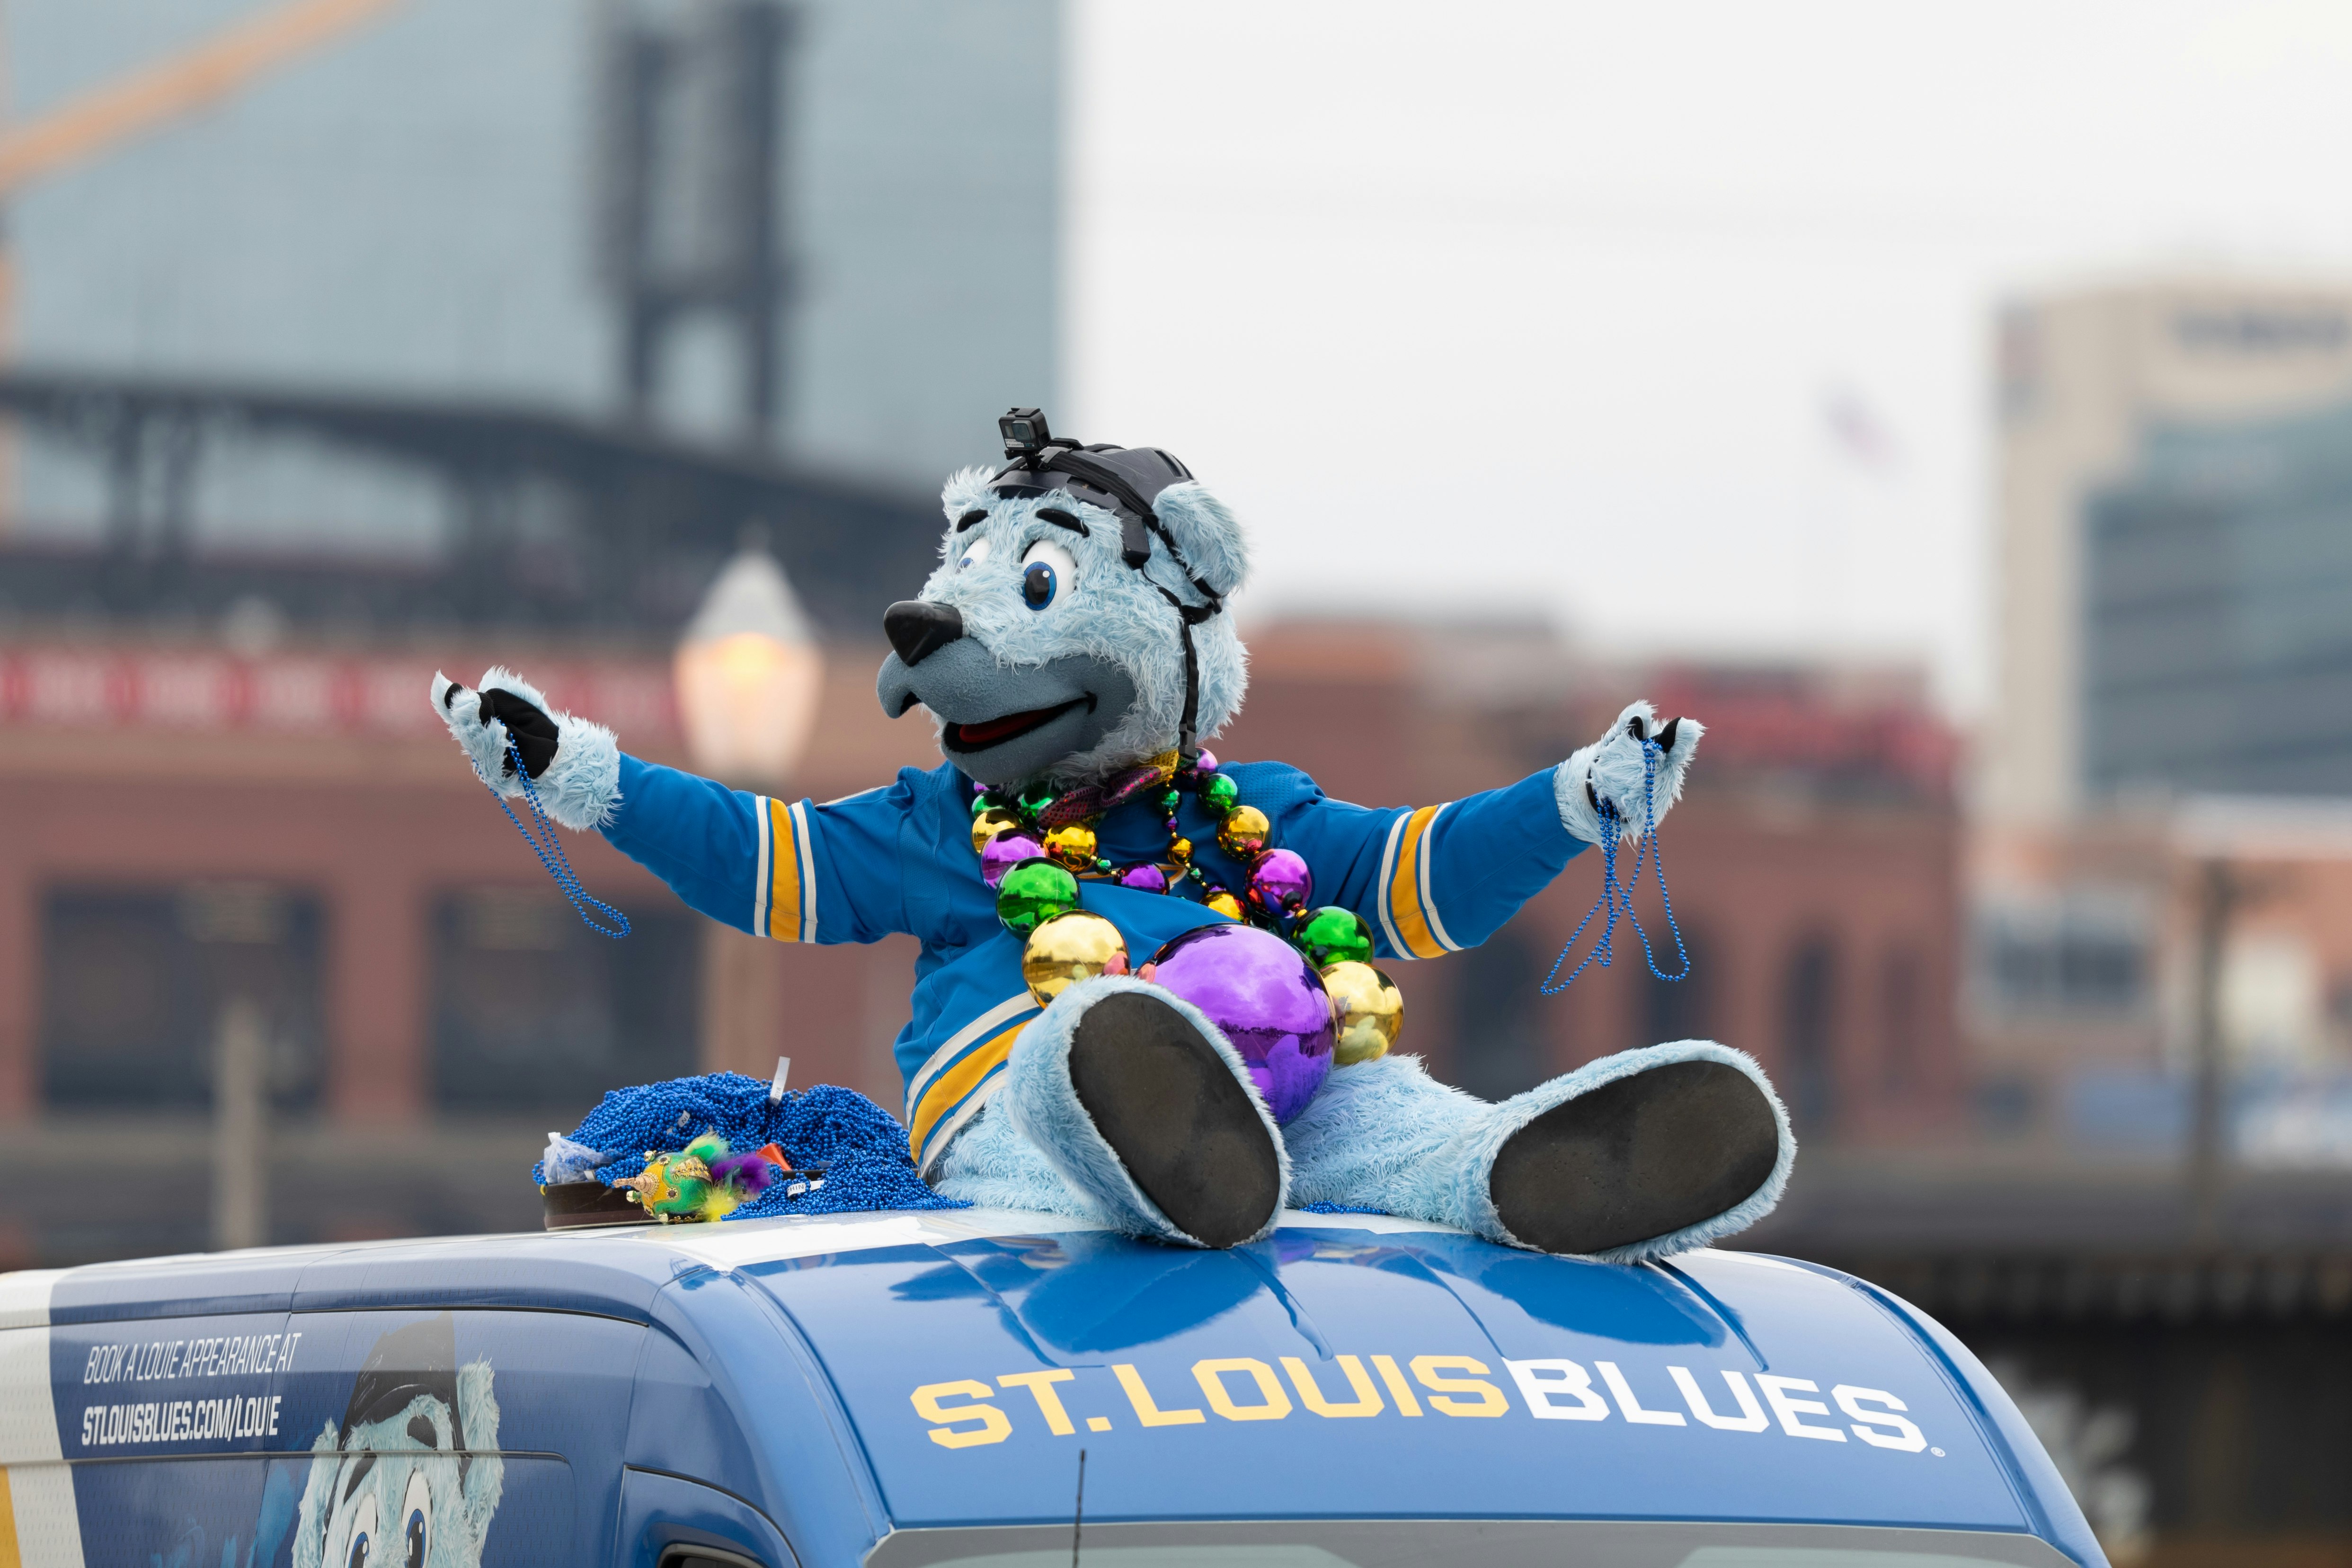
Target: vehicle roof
1348,1365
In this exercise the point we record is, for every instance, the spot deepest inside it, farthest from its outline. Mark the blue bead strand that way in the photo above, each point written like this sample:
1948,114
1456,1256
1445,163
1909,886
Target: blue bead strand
1617,897
550,849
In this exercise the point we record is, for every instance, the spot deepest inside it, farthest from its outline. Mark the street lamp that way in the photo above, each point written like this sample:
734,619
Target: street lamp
749,677
749,674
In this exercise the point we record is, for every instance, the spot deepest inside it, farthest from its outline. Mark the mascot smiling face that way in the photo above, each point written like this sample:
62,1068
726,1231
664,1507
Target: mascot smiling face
402,1482
1058,639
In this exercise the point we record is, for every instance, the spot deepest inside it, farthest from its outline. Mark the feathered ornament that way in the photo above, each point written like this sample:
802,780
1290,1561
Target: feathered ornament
703,1181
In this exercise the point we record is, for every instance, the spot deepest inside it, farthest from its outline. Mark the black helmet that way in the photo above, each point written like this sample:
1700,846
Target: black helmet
1122,480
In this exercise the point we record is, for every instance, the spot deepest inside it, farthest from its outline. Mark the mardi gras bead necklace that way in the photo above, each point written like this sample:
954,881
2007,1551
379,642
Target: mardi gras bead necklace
1617,896
1036,845
550,849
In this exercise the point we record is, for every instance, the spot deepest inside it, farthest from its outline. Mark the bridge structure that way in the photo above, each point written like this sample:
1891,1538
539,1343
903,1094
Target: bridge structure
555,521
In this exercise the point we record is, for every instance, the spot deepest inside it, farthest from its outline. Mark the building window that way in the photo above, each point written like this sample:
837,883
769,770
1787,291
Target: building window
1499,1039
133,982
1809,1034
2078,955
1902,985
535,1013
2215,574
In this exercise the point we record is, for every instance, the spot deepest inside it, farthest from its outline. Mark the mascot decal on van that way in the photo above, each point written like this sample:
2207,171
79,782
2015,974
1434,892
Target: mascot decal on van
405,1481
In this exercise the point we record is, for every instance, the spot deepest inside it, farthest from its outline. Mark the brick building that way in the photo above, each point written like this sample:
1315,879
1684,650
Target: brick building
182,826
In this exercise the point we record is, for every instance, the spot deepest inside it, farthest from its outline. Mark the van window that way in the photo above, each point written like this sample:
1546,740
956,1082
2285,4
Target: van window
1461,1544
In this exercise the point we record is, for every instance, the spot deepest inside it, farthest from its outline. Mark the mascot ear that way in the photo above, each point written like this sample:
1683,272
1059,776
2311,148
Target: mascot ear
318,1499
484,1473
1206,531
966,490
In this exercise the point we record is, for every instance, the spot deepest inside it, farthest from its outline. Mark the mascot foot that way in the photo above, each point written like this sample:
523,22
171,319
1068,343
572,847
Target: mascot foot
1187,1131
1642,1156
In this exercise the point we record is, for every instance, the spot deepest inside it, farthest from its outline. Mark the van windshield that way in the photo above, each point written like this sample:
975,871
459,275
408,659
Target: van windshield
1468,1543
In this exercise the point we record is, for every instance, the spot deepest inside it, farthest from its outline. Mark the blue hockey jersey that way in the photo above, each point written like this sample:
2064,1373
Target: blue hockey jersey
900,858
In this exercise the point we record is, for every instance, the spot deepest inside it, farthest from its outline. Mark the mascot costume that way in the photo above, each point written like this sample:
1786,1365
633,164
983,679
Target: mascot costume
1145,993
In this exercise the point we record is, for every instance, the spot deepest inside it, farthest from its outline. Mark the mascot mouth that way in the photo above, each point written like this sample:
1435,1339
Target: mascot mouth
1003,722
997,731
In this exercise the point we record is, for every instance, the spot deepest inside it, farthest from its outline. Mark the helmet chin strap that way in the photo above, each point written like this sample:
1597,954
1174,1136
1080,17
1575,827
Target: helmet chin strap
1188,740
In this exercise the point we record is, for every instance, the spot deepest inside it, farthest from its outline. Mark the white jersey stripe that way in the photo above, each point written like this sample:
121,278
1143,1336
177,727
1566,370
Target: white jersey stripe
759,893
1380,894
985,1027
945,1132
803,848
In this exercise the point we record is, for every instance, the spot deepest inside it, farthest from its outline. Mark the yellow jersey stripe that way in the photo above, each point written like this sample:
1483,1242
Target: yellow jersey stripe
1429,899
1405,916
952,1088
783,874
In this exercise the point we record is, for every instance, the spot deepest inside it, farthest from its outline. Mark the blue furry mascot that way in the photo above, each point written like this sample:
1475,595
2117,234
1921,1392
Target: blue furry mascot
412,1473
1145,994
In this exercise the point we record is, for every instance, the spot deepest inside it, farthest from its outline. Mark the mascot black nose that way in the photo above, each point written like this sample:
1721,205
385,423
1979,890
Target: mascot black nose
919,630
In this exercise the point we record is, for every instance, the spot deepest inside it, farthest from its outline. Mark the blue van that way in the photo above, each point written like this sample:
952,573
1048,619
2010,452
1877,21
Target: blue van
989,1389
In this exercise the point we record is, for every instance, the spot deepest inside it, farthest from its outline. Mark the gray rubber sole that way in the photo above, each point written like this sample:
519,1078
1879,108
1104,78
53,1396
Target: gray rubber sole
1638,1158
1181,1123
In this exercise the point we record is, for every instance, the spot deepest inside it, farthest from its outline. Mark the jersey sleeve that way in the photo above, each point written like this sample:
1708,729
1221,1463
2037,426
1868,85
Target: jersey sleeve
1436,879
791,870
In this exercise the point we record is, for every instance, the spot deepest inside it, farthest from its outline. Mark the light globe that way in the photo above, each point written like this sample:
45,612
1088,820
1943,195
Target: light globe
749,674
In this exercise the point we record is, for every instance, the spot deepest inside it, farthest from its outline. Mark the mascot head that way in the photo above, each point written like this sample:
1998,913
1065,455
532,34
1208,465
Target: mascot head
1077,623
402,1481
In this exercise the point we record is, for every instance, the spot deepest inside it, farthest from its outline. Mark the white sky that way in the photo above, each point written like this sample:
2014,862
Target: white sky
1540,305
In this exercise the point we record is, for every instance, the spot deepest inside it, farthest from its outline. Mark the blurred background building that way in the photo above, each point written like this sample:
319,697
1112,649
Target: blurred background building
725,218
347,339
2176,697
351,338
2172,555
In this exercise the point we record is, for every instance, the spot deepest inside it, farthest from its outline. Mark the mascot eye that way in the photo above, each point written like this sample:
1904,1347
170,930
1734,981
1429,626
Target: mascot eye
975,556
418,1506
1046,570
363,1531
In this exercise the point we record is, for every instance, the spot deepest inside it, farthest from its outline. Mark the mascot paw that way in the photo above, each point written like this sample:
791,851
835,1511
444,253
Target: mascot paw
1187,1131
1615,771
574,766
1637,1159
